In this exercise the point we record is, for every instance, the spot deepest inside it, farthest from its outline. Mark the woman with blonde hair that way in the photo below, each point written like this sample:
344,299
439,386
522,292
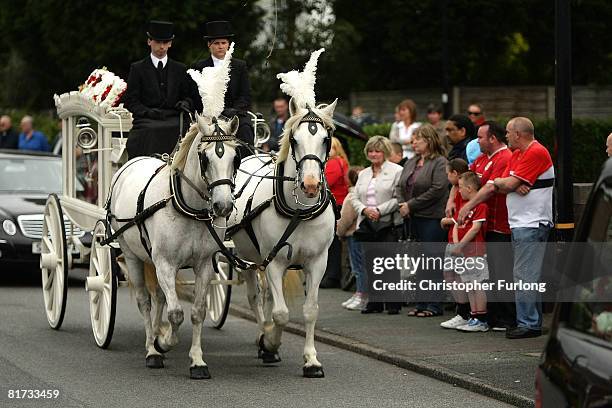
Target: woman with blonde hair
336,174
422,193
375,203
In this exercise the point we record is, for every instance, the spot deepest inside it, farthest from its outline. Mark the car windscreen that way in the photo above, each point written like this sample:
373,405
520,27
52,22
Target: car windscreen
30,174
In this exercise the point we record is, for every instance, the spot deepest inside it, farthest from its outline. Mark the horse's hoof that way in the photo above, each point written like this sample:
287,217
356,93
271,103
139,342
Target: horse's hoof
269,357
157,346
313,372
154,361
199,373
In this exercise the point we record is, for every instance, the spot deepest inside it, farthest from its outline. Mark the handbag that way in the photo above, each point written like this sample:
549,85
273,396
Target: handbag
372,231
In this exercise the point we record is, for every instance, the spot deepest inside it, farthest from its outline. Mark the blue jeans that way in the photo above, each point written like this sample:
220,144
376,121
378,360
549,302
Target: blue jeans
528,260
356,259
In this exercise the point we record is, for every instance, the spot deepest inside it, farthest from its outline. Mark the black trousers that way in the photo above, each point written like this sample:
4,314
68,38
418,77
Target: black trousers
390,237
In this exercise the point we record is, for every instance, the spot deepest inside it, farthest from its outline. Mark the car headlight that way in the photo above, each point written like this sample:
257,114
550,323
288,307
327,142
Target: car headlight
9,227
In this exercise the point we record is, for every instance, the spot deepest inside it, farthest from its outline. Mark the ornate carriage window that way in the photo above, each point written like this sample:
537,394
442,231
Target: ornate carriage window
86,161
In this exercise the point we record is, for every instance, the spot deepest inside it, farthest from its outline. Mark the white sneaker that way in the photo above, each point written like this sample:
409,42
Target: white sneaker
454,322
349,300
474,325
358,304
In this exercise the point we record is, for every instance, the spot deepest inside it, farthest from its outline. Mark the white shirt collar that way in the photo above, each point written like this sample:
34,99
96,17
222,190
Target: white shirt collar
216,61
497,151
155,60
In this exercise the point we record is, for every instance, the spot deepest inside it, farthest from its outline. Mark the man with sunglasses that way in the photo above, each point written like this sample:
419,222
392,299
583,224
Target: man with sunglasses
476,114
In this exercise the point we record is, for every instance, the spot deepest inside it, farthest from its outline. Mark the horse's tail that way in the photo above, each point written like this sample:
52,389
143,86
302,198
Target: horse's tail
293,285
183,291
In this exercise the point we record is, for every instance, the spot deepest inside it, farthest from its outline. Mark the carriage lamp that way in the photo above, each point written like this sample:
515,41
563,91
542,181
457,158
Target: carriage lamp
86,137
9,227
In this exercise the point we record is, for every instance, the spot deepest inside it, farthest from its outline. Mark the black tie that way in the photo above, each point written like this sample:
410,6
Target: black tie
160,68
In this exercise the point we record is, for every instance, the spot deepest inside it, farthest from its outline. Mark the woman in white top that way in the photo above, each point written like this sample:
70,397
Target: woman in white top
401,131
374,199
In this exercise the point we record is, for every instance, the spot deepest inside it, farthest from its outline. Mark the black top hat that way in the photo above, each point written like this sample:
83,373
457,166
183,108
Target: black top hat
218,29
160,30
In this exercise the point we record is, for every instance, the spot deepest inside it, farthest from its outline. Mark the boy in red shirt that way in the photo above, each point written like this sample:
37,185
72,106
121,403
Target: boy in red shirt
469,253
454,169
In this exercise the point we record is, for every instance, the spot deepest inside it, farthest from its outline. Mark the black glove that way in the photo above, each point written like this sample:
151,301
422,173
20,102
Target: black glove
183,105
156,114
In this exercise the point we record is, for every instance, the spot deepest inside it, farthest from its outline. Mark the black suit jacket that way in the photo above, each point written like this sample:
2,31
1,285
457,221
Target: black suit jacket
144,93
238,95
9,139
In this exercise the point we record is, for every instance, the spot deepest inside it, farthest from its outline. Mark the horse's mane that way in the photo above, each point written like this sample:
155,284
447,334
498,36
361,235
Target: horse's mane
292,124
180,157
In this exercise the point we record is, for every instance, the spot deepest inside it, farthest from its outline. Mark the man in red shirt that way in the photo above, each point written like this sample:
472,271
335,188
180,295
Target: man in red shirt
490,165
528,182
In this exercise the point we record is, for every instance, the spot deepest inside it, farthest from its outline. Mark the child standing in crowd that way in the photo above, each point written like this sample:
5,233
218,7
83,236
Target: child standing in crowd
454,169
345,228
468,242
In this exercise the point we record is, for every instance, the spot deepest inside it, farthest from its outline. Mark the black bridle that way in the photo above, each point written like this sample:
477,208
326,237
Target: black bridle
218,136
311,119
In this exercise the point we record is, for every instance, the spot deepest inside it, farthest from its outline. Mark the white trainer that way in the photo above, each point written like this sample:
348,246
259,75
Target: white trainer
358,304
349,300
474,325
454,322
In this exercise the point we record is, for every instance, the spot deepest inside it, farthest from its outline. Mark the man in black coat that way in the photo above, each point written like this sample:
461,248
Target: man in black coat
158,89
238,95
9,139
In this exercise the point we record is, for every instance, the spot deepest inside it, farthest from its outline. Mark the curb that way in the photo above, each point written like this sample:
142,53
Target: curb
419,366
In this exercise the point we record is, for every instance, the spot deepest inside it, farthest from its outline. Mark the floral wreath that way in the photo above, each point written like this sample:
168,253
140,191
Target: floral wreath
103,88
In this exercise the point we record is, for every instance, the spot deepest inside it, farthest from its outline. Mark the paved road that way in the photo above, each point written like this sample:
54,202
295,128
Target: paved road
32,356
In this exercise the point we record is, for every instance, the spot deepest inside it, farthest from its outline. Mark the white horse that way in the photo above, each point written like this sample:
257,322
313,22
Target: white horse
206,164
304,149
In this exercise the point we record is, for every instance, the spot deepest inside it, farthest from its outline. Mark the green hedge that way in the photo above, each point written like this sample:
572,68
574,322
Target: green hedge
588,147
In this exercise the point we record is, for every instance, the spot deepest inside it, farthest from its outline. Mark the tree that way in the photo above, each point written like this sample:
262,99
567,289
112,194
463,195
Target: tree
52,46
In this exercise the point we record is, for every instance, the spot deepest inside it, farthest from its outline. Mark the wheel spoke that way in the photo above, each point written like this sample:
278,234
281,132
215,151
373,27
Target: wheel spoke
47,244
96,264
219,299
50,279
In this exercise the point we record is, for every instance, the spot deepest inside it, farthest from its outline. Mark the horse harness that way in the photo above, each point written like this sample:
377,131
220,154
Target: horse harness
218,137
278,198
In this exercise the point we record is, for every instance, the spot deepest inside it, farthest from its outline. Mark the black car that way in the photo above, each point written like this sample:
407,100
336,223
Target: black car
26,179
576,366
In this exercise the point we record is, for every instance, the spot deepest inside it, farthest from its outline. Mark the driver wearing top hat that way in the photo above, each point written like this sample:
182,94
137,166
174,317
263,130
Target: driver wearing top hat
158,89
238,95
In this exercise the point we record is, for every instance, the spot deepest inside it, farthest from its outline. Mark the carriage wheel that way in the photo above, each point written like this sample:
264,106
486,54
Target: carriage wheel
54,262
218,296
102,287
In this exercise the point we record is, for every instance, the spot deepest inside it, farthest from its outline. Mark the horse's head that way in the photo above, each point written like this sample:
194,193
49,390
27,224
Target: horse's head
218,160
310,143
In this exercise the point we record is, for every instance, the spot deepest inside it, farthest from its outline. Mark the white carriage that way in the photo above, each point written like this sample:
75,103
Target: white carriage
94,141
290,195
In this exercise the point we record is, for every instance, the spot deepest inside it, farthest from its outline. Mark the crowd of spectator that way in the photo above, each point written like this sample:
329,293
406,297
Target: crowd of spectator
466,182
27,139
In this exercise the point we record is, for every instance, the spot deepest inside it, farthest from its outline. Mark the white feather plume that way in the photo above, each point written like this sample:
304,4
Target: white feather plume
300,85
212,85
